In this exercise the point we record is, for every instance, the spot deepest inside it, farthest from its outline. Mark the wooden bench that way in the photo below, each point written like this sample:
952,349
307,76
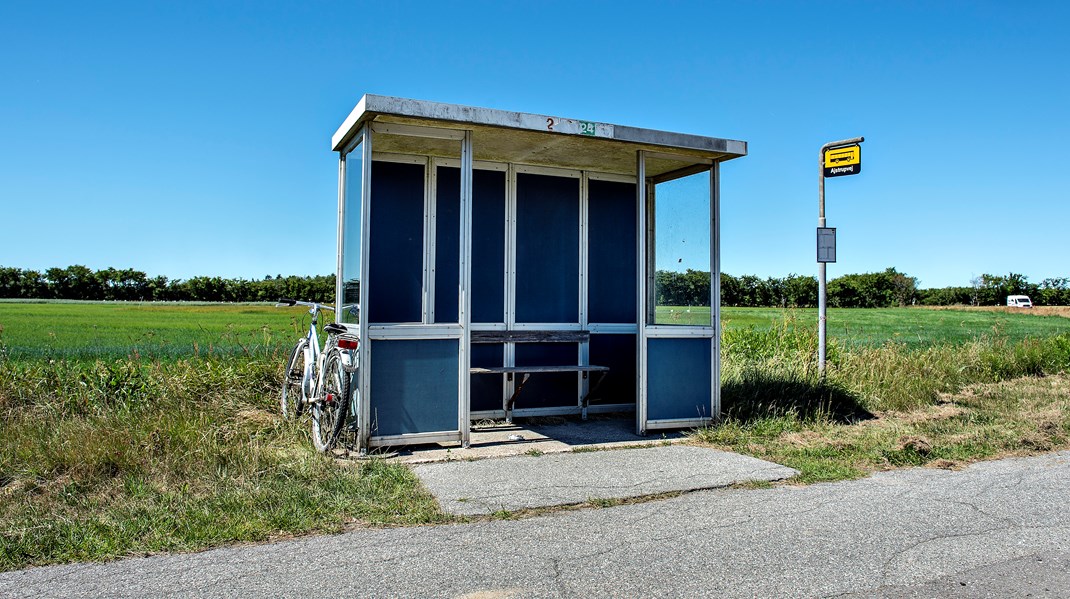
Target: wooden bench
527,371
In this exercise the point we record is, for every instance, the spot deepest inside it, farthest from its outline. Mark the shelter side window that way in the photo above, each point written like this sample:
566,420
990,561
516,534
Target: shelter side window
350,279
682,229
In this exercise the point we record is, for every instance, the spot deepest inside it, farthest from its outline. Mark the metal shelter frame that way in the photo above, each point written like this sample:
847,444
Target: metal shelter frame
416,354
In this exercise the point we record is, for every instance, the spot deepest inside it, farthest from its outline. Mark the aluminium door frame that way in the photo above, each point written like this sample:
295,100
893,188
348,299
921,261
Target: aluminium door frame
426,329
645,191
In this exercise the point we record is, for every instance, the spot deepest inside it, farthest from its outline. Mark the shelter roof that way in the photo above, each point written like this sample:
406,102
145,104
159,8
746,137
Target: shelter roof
518,137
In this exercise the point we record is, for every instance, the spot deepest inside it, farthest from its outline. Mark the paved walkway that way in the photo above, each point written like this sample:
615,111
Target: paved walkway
996,529
513,483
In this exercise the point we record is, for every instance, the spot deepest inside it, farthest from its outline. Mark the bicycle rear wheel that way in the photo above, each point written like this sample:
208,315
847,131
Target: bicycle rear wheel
331,407
290,403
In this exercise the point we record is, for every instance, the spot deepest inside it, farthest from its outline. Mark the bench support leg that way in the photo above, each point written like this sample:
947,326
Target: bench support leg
512,398
587,398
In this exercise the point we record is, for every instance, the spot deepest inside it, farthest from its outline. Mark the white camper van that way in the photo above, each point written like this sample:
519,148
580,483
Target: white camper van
1019,301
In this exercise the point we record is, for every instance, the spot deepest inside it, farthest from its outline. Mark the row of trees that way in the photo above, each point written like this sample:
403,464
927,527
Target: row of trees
870,290
867,290
111,284
988,290
692,288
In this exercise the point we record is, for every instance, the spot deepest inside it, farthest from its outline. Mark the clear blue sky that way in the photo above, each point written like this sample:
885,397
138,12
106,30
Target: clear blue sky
192,138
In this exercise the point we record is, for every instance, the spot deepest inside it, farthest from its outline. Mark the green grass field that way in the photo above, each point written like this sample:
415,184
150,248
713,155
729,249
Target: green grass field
914,327
133,428
89,330
682,315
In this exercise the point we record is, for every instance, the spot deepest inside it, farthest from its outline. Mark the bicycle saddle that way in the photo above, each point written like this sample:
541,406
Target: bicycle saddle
335,329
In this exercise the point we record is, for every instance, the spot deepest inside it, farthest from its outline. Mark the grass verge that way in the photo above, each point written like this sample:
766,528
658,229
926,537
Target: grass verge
984,421
890,406
112,458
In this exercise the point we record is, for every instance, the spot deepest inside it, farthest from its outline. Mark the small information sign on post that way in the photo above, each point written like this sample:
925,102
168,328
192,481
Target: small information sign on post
826,244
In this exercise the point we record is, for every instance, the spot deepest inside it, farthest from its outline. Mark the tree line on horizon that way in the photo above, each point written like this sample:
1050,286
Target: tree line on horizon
110,284
883,289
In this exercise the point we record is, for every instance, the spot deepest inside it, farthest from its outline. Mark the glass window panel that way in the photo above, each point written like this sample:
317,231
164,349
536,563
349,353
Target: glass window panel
414,234
547,248
350,288
682,251
488,246
612,269
447,244
396,243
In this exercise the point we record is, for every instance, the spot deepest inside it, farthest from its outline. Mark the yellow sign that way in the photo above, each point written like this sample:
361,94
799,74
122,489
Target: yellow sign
843,161
843,156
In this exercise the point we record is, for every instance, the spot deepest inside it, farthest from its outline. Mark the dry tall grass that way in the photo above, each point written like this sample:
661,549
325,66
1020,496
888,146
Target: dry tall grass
1035,311
890,406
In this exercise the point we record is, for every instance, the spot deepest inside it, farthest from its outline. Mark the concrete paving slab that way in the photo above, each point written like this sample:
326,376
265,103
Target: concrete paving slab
486,486
553,434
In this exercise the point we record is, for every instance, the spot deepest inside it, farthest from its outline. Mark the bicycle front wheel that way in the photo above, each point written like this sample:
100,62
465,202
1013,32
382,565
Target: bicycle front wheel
331,407
290,402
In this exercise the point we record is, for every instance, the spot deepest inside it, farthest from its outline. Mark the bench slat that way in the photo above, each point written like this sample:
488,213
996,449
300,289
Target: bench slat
530,336
532,369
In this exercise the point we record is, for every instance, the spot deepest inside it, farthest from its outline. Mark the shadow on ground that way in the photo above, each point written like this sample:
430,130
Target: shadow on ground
599,429
757,396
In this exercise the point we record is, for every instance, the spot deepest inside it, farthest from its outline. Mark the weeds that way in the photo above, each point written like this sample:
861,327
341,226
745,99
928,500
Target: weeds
890,406
111,458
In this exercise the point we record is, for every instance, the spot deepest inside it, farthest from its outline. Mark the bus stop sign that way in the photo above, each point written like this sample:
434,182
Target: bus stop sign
843,161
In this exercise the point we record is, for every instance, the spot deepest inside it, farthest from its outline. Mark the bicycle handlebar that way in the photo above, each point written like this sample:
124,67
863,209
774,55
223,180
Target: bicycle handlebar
285,301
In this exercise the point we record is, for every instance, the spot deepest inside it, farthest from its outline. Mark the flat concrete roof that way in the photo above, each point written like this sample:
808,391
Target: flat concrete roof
524,138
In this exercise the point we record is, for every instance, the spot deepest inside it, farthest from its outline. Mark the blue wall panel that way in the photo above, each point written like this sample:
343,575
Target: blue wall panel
548,389
612,242
485,390
618,352
679,378
447,243
414,386
547,260
395,277
488,246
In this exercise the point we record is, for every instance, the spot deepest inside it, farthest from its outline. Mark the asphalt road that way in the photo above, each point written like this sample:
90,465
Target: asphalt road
997,529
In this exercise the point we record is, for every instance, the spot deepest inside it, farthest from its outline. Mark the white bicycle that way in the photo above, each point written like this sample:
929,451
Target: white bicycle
318,380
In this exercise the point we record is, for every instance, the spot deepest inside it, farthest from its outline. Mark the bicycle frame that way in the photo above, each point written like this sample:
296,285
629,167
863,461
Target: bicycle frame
313,366
314,356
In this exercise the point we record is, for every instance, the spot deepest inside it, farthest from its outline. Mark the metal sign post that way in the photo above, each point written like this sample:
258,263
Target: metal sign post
838,158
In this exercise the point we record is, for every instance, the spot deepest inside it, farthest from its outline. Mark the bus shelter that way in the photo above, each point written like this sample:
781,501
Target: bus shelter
510,263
